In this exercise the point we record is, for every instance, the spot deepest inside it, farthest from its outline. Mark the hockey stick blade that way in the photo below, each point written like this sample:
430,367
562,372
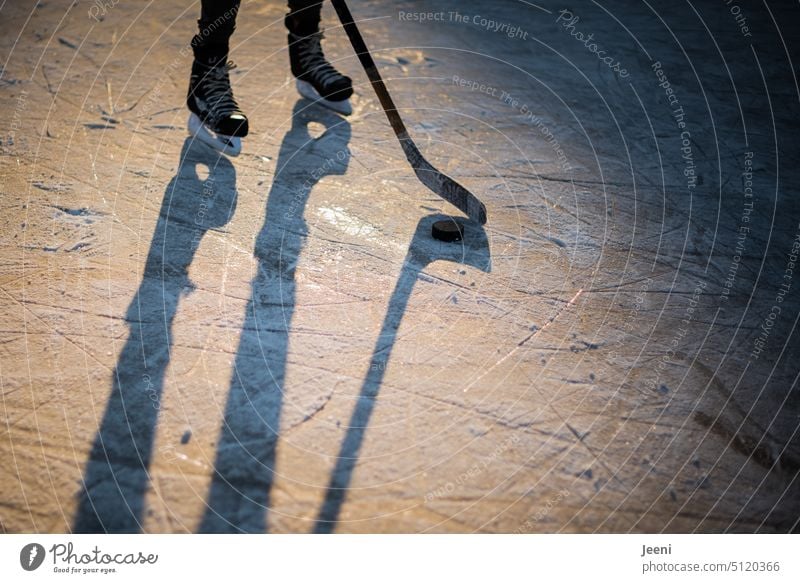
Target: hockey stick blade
436,181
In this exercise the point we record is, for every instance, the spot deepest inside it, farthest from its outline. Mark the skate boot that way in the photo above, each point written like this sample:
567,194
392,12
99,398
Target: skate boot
216,118
316,78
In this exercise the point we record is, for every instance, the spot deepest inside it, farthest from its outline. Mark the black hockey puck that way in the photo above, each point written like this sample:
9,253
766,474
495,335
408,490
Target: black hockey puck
448,230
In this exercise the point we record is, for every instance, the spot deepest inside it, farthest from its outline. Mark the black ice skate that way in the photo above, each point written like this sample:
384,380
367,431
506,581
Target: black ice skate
317,79
216,118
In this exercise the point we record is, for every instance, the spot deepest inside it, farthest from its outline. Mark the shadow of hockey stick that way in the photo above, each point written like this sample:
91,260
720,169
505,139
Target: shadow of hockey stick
423,250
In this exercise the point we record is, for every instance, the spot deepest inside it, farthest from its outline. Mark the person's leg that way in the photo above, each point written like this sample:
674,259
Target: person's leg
303,17
215,27
317,78
216,117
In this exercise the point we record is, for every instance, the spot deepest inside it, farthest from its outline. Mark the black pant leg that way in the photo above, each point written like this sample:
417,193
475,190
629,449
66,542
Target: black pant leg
218,21
216,25
304,16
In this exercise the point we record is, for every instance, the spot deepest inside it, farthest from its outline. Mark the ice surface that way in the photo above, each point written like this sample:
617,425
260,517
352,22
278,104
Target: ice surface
586,362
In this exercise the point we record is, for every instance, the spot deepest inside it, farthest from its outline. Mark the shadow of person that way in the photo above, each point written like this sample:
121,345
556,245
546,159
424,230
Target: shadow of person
239,495
423,250
116,475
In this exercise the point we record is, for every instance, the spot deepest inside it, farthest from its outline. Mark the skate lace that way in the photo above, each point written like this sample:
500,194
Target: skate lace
313,60
218,89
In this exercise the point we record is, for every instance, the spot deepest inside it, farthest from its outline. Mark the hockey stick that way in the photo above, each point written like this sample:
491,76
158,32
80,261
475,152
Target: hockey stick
439,183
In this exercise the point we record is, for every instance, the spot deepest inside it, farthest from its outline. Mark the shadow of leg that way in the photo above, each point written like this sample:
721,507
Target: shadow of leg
116,477
423,250
245,462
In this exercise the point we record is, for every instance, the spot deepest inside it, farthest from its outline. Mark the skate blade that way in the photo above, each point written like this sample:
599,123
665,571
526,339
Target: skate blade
230,145
307,90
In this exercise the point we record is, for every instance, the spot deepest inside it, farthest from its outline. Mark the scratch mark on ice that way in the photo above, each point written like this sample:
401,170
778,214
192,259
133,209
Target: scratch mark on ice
525,340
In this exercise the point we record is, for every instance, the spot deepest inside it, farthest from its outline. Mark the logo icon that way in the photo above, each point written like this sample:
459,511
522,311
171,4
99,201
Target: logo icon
31,556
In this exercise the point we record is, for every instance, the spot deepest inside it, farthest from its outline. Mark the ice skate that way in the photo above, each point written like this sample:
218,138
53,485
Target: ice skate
316,78
216,118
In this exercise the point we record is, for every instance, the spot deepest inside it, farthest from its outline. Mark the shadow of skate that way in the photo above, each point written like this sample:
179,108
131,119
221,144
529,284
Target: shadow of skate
423,250
239,495
116,476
